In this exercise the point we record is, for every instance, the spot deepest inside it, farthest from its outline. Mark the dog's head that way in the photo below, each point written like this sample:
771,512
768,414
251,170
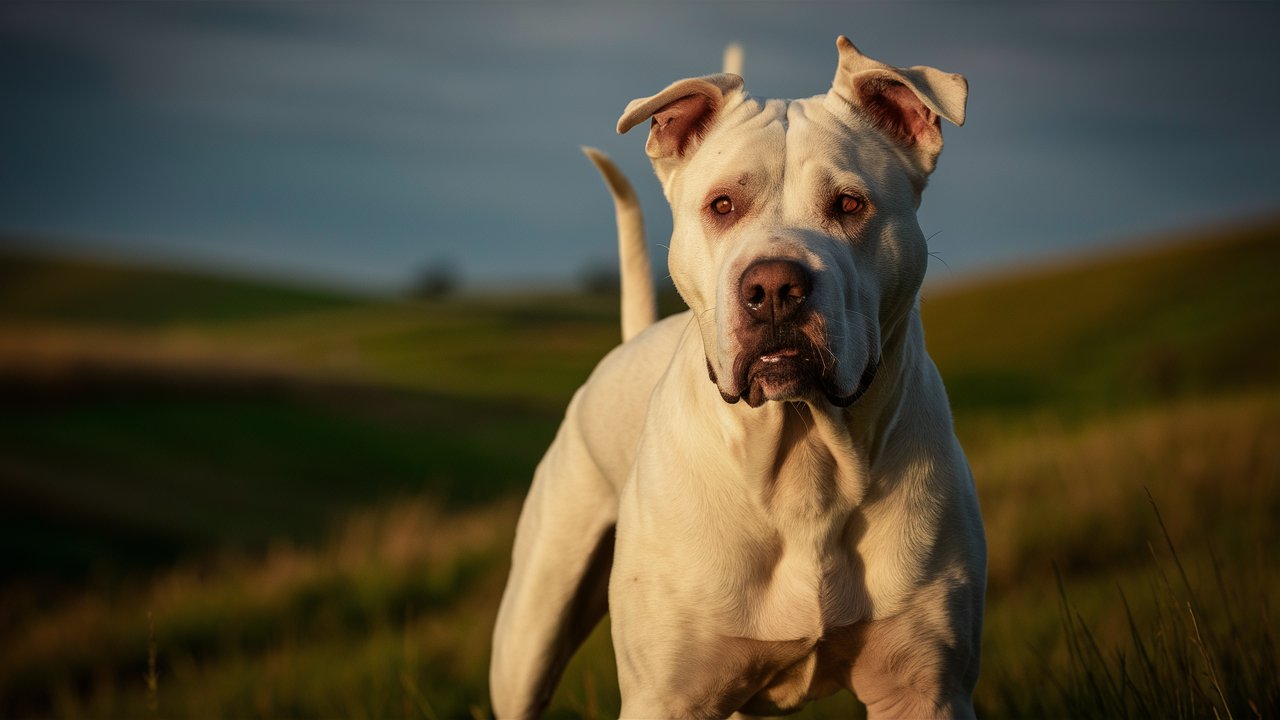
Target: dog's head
795,238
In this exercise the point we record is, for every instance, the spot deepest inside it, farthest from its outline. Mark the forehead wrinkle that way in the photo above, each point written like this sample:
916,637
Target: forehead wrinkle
768,156
810,168
849,155
785,116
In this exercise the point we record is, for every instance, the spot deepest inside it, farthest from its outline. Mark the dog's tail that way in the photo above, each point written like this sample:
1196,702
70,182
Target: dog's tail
733,59
639,309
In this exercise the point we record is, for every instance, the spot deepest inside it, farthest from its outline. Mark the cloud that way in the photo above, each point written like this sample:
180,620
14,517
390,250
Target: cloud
357,138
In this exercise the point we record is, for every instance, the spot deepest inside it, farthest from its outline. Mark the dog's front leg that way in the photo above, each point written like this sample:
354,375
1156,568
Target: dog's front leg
558,587
674,658
924,662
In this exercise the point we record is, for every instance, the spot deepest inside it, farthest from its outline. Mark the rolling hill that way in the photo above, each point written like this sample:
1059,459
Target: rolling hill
300,503
1193,316
149,412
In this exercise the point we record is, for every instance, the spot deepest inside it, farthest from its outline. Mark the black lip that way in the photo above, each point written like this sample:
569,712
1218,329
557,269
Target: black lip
801,365
868,376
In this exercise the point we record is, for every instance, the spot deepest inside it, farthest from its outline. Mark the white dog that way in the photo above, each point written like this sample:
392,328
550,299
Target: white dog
765,492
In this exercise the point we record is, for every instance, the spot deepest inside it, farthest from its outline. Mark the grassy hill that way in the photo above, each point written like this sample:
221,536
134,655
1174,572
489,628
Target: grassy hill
1159,322
296,503
150,414
85,291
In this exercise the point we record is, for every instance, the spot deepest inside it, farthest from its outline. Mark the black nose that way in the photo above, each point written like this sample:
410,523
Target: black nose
774,291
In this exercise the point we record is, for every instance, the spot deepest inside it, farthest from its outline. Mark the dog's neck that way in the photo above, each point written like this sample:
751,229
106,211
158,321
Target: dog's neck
841,454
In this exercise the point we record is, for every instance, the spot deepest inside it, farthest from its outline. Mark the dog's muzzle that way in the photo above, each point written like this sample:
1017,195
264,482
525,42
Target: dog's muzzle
785,354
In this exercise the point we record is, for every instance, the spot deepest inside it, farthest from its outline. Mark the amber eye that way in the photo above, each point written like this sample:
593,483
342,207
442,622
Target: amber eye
722,205
848,204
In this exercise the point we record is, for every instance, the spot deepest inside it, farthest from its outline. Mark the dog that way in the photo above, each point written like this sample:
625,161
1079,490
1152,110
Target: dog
764,492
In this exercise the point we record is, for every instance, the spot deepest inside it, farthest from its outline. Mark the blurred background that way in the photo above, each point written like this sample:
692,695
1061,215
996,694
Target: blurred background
293,295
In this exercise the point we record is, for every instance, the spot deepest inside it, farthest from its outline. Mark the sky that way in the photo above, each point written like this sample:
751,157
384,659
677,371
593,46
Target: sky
355,144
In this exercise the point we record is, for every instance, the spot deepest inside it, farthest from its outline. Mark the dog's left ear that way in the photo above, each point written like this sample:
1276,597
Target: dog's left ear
682,114
904,103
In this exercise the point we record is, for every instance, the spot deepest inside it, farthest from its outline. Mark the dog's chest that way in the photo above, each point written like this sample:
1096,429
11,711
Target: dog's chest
786,543
815,578
786,675
801,589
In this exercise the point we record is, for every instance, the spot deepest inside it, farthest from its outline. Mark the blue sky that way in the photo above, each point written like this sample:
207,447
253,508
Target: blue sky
355,143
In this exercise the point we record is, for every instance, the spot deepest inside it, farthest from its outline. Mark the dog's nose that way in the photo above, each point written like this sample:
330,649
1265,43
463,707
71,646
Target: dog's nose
773,291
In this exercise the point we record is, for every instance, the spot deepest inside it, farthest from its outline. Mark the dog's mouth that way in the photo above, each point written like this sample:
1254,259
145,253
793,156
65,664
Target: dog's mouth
794,371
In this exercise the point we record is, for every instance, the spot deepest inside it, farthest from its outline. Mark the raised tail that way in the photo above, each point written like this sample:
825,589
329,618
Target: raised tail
733,59
639,308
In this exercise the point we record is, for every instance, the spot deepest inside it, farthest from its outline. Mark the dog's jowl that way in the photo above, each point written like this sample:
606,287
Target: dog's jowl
765,493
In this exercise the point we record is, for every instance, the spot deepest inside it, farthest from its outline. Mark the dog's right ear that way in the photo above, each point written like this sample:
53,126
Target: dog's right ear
681,116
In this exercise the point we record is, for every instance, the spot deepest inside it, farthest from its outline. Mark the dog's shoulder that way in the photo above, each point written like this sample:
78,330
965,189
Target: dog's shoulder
609,410
641,360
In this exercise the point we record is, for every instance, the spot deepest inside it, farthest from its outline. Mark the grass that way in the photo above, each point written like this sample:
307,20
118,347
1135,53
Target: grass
1104,334
323,631
1224,672
91,292
129,475
411,589
262,502
1076,501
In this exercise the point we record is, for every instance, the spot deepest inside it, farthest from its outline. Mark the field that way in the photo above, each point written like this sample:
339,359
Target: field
222,498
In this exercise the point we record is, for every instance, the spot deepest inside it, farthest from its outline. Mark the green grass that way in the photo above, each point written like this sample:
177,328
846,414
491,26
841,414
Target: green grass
1222,645
312,630
128,476
1076,500
1101,334
95,292
301,504
301,631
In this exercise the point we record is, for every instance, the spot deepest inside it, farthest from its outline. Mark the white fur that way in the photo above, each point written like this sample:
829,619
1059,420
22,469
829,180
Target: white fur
764,556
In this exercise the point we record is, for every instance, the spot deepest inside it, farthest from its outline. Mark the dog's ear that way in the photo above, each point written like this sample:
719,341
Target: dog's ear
680,116
904,103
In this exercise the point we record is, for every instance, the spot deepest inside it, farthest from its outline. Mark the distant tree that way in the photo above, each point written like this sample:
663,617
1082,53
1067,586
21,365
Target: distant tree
598,278
437,280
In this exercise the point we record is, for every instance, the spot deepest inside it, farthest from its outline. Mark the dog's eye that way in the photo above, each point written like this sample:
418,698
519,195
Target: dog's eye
849,204
722,205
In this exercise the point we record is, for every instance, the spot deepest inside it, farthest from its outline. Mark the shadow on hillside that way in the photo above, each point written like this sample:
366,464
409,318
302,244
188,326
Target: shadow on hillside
109,467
